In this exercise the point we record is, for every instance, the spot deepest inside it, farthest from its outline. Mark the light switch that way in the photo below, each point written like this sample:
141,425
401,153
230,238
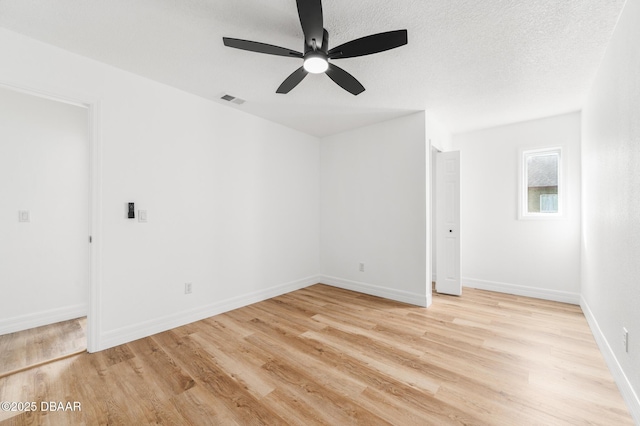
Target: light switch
142,216
24,216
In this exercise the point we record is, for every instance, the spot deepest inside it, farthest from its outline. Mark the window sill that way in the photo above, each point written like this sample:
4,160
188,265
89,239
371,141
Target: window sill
543,217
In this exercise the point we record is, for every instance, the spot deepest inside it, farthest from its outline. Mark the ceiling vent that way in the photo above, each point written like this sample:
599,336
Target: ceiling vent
232,99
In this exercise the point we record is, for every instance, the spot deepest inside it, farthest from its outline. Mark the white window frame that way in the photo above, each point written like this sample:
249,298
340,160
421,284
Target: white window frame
523,205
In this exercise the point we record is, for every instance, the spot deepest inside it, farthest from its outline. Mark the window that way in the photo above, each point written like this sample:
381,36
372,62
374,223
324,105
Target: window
541,194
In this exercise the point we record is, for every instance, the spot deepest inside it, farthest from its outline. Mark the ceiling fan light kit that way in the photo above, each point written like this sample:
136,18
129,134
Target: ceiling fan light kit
316,49
315,63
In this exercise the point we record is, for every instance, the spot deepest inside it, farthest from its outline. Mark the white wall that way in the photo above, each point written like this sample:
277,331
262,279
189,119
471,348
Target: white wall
441,140
374,209
437,134
44,169
611,205
232,199
538,258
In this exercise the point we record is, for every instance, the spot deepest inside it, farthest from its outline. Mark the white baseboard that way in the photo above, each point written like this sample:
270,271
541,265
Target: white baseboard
138,331
627,391
521,290
374,290
38,319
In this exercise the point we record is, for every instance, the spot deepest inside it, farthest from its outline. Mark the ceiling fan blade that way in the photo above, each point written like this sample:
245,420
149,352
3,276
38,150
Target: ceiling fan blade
370,44
310,13
325,41
254,46
344,80
292,81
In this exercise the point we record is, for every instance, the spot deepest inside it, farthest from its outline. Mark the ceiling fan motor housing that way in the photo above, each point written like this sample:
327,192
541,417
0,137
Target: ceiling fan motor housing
315,46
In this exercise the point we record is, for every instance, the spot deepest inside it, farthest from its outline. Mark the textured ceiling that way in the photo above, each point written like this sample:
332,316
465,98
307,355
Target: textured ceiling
473,64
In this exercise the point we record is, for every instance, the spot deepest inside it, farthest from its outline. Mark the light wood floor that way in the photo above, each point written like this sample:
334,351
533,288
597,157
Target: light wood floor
322,355
41,344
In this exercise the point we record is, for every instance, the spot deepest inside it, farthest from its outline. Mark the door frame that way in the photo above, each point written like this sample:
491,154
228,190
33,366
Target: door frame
92,105
431,226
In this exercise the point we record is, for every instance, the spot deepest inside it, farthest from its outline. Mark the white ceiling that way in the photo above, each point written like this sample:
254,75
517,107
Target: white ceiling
473,64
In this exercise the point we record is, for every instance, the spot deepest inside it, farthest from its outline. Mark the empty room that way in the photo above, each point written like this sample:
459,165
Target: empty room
319,212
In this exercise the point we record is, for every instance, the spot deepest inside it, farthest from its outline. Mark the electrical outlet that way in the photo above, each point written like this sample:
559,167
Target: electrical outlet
24,216
361,266
188,288
625,339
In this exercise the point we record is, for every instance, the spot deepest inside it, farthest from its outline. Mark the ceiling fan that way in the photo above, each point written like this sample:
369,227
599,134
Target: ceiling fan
316,54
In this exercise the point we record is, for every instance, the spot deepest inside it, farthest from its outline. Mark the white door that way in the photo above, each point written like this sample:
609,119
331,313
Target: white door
448,223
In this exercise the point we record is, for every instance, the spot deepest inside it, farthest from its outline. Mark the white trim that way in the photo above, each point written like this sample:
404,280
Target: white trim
522,290
430,150
621,379
94,319
38,319
17,87
423,300
147,328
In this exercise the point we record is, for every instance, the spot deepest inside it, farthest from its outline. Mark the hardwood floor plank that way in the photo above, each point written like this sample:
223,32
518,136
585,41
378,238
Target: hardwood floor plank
197,406
323,355
153,363
335,408
117,355
35,346
249,376
301,357
293,409
138,397
194,359
277,313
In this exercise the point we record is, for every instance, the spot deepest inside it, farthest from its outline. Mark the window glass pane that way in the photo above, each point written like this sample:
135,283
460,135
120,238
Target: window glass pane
549,203
542,182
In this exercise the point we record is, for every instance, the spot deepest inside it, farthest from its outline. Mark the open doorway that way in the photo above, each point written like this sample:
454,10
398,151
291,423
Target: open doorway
44,223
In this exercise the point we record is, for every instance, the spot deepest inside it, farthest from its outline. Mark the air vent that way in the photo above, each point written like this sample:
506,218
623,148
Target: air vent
233,99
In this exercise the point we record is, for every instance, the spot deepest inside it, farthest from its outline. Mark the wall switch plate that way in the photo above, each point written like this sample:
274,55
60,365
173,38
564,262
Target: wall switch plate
361,267
188,288
24,216
142,216
131,211
625,339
